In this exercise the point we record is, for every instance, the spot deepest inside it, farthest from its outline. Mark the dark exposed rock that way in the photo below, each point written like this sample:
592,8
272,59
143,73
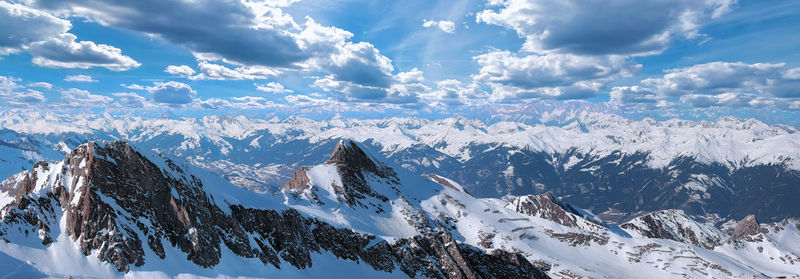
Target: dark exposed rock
547,206
673,225
747,229
299,180
444,182
354,166
576,239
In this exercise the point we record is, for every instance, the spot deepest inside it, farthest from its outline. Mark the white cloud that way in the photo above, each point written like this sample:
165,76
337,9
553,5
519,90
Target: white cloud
17,95
444,25
718,84
63,51
214,103
76,98
633,95
722,77
253,102
246,102
452,92
130,100
172,93
181,71
45,37
627,27
259,39
272,87
413,76
553,76
22,25
219,72
41,84
303,100
8,85
79,78
133,86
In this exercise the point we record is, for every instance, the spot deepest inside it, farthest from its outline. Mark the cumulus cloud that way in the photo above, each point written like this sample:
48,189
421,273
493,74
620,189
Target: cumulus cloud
8,85
412,76
272,87
22,25
357,63
133,86
17,95
130,100
63,51
79,78
248,32
444,25
76,98
555,76
349,91
358,71
181,71
45,37
214,103
219,72
257,38
633,95
718,84
626,27
171,93
722,77
453,92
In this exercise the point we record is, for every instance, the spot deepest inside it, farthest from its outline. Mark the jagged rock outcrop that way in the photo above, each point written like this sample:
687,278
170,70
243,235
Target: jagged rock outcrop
354,166
547,206
299,180
675,225
118,203
746,229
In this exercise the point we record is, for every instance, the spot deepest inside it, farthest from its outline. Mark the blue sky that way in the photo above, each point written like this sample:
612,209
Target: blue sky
689,59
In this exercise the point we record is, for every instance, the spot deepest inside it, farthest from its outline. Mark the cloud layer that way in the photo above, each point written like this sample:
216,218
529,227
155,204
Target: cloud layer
602,27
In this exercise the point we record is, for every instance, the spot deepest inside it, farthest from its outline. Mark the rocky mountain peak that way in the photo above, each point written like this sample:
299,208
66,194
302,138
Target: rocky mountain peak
349,153
675,225
747,227
547,206
356,168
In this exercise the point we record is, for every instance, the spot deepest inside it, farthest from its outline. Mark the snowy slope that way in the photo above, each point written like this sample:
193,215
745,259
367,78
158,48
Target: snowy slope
576,247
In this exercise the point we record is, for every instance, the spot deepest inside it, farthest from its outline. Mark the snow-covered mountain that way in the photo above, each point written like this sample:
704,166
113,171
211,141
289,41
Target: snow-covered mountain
107,209
616,167
110,209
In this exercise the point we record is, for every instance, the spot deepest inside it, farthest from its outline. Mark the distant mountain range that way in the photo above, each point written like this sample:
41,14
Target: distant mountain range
618,168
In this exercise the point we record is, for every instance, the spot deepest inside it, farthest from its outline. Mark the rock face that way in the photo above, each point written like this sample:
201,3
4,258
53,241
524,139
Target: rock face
299,180
746,229
547,206
353,165
674,225
117,203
